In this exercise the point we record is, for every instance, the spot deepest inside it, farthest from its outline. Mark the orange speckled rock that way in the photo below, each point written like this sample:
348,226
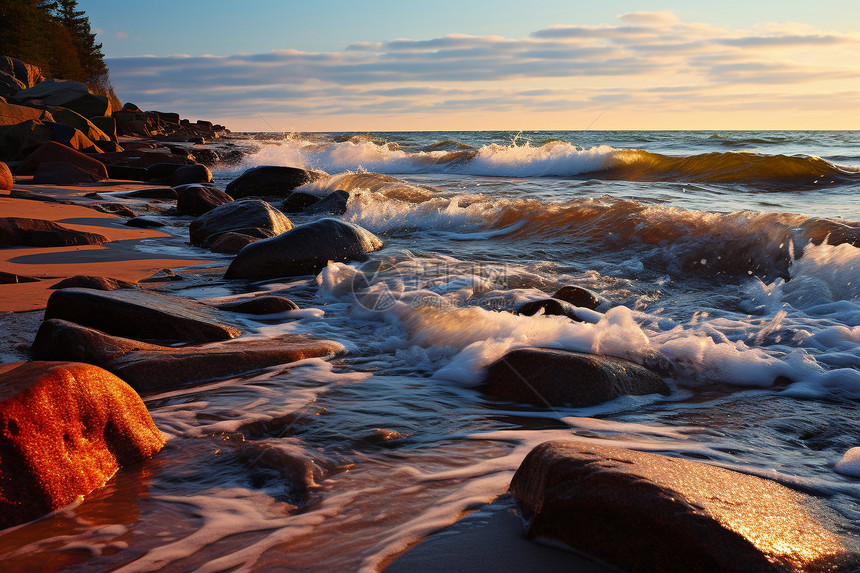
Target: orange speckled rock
65,429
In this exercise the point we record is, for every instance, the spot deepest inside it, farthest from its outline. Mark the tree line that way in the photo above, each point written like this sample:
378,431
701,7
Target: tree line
55,36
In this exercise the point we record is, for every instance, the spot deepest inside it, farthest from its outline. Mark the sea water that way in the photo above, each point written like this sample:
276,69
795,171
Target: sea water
728,262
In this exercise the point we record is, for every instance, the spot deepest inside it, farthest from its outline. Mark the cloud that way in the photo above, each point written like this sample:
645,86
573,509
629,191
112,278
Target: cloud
121,35
646,62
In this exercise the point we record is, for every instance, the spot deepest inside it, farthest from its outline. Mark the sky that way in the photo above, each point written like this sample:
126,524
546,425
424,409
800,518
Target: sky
381,65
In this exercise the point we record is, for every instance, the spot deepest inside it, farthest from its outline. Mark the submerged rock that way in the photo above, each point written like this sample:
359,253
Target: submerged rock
65,429
303,250
270,180
545,376
236,216
231,242
647,512
151,367
22,232
140,314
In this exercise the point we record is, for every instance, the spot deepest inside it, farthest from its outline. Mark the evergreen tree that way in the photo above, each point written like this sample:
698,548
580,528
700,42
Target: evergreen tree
90,53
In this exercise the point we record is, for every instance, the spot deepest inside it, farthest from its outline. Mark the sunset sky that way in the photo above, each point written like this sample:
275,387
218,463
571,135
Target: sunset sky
337,65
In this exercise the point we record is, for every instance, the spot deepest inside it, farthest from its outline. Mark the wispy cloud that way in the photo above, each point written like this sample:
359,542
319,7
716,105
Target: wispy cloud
649,64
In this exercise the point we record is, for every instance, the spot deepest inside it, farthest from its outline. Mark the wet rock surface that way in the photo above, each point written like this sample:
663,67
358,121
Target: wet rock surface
304,250
140,314
65,429
647,512
270,181
151,367
236,216
548,377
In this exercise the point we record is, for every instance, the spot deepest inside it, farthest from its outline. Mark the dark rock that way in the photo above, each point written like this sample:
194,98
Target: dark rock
304,250
331,204
188,174
260,305
93,282
549,306
6,181
108,146
647,512
60,173
90,105
150,367
270,181
54,92
53,151
79,122
65,429
114,209
165,193
546,376
130,107
29,196
21,232
238,215
12,278
128,173
231,243
9,86
254,232
578,296
107,124
20,140
139,314
144,223
163,170
298,201
196,200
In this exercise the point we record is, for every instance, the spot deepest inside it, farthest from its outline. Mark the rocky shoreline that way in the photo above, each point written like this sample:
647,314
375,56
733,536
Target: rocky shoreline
91,338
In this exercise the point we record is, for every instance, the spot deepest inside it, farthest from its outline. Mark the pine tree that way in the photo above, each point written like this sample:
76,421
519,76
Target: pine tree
90,53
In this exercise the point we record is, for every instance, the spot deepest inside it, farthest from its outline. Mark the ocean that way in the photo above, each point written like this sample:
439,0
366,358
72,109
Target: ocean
728,262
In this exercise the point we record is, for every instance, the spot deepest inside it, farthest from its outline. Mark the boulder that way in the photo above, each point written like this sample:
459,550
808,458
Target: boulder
108,146
254,232
307,249
188,174
128,106
549,306
646,512
260,305
11,114
19,141
129,122
107,124
331,204
551,377
298,201
79,122
577,296
143,315
270,180
54,92
27,74
90,105
231,243
9,86
23,232
60,173
6,181
113,208
238,215
53,152
195,199
163,169
93,282
150,367
65,429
